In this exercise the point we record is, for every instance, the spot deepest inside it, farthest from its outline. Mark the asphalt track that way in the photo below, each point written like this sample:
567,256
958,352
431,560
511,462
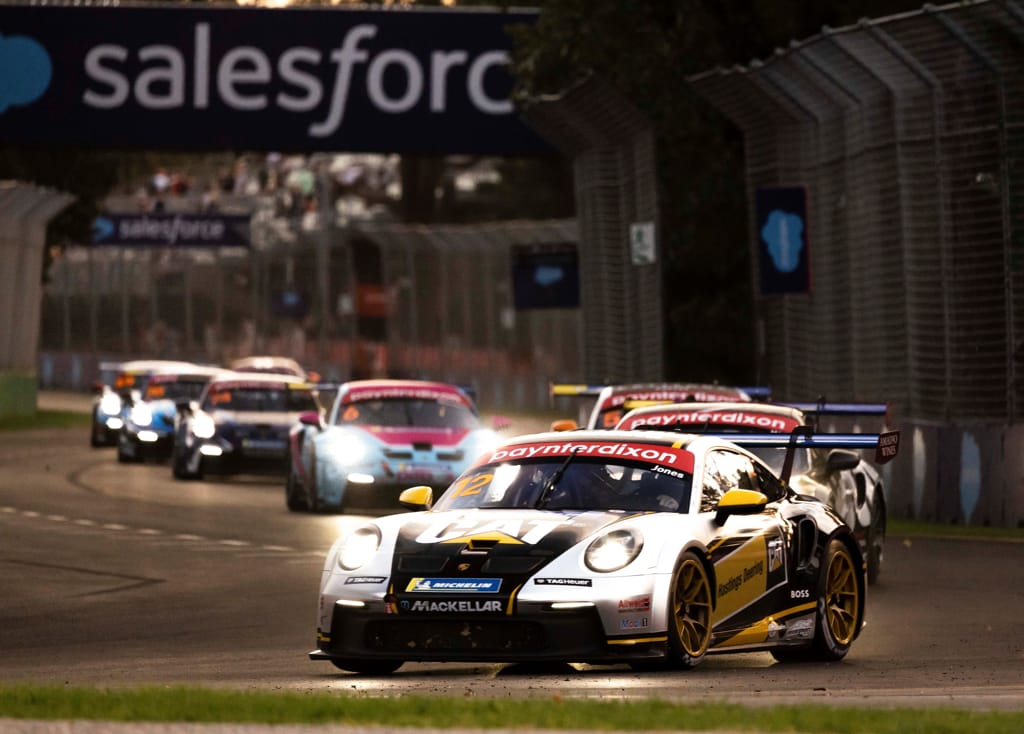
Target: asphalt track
119,575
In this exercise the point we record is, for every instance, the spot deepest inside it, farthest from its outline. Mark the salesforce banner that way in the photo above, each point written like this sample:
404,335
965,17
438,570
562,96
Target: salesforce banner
171,230
302,79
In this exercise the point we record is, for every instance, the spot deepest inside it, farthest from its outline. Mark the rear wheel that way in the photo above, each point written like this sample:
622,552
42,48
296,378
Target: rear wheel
367,667
838,613
689,612
876,540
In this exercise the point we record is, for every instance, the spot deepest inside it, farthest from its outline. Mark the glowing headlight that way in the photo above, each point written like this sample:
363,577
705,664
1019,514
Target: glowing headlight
359,547
613,551
348,452
142,415
110,403
203,425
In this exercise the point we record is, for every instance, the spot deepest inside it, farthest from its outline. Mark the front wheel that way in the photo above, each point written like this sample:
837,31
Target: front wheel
367,667
689,612
294,493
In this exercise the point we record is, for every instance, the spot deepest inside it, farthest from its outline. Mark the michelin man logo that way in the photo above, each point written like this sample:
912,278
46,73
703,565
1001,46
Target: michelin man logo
25,71
784,234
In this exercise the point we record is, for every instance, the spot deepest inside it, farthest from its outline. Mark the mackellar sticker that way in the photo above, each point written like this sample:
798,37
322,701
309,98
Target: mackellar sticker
451,606
669,456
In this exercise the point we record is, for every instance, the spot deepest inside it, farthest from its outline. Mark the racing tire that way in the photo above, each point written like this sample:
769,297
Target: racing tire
876,541
689,612
838,613
367,667
124,457
179,466
294,494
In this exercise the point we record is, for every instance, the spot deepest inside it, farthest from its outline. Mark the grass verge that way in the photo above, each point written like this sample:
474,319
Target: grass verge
45,419
919,528
196,705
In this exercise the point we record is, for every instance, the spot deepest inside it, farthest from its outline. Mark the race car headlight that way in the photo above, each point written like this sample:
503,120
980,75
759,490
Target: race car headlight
359,548
110,403
203,425
141,414
349,452
613,551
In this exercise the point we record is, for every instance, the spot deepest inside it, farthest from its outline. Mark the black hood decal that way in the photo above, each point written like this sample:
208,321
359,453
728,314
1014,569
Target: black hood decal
485,554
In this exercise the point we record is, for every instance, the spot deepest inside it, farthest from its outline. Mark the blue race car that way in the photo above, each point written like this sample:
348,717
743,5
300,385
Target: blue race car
150,419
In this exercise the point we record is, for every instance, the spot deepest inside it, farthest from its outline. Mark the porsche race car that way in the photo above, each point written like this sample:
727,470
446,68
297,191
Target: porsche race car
240,424
380,437
611,402
837,476
639,547
120,384
150,418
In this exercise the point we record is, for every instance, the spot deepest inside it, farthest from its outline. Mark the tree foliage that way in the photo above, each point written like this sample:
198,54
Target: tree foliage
647,49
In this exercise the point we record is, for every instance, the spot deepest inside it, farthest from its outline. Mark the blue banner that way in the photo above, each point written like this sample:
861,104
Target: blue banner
171,230
300,79
782,254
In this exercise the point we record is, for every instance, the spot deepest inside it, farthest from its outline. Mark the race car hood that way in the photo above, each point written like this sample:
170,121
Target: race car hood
486,553
410,435
256,417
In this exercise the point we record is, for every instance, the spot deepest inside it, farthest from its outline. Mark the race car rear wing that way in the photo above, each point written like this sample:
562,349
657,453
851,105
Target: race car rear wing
886,445
756,392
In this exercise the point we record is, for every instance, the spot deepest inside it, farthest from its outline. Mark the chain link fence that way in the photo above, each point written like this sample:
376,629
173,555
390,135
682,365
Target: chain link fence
907,133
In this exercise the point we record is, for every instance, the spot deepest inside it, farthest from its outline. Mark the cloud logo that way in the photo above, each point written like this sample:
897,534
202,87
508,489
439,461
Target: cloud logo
784,234
102,228
548,275
25,71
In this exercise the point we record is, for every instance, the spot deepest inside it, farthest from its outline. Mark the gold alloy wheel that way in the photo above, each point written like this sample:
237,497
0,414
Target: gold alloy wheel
842,597
691,607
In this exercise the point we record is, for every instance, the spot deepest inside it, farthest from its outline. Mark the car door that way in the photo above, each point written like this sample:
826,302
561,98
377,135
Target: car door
748,553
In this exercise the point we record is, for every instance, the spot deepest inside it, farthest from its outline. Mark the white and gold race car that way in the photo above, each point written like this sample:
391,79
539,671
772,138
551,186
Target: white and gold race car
641,547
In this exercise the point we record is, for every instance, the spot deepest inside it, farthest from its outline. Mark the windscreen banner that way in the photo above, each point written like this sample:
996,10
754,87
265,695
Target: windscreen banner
386,80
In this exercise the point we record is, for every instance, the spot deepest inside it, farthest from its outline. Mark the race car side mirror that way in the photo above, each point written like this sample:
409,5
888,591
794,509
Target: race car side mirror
739,502
841,460
310,418
565,424
417,498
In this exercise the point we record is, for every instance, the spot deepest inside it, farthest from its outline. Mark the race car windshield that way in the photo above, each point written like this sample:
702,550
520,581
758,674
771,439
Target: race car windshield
407,412
585,484
261,400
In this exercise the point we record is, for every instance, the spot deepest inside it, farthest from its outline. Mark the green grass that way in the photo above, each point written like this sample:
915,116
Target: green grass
46,419
186,704
920,528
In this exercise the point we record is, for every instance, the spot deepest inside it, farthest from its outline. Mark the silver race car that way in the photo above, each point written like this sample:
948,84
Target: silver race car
640,547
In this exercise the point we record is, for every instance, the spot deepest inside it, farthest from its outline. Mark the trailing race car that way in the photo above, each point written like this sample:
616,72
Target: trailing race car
382,436
120,383
240,424
271,364
613,401
150,418
636,547
836,476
